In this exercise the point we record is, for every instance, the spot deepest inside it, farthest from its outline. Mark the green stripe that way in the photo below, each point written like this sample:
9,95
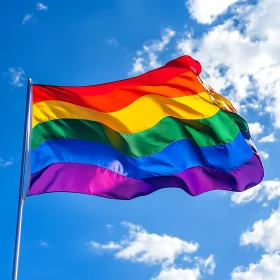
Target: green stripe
242,124
219,129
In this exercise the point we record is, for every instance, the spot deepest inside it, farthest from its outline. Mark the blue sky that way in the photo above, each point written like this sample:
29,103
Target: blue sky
169,234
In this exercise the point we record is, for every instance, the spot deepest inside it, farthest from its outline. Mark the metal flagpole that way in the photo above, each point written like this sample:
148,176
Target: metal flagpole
22,180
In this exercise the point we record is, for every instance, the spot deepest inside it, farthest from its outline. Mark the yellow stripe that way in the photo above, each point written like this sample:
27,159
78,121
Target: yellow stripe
222,102
144,113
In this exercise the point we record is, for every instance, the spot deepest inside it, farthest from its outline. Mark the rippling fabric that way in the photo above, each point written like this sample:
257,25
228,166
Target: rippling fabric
129,138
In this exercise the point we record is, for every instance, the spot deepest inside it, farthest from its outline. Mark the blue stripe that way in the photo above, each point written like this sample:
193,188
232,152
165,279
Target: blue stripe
175,158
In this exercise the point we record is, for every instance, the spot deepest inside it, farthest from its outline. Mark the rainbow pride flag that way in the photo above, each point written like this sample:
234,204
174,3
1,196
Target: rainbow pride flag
129,138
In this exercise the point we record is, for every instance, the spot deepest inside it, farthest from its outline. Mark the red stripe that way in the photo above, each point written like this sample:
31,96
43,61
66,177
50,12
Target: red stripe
179,75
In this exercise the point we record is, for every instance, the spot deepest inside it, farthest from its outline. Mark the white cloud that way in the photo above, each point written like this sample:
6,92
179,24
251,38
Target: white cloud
6,163
202,266
179,274
147,58
265,191
255,128
112,41
205,11
267,269
246,196
265,233
43,244
138,66
154,249
41,7
110,246
269,138
141,246
16,76
27,18
241,56
208,265
264,155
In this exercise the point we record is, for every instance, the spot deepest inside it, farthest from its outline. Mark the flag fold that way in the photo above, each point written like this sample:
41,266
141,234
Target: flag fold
129,138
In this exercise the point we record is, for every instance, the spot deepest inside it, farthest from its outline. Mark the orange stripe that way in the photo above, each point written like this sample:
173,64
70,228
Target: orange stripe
144,113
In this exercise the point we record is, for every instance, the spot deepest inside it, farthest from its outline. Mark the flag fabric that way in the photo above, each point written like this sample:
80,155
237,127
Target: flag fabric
129,138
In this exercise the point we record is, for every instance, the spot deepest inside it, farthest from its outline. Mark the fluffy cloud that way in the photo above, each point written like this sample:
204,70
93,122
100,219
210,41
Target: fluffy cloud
178,274
268,268
147,58
241,58
269,138
265,191
153,249
206,266
265,233
264,155
205,11
144,247
16,76
255,128
201,268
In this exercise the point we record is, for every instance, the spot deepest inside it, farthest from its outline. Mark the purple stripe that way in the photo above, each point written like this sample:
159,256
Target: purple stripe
95,180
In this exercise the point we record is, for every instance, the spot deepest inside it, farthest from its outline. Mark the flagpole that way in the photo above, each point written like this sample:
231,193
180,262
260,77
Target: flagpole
22,180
